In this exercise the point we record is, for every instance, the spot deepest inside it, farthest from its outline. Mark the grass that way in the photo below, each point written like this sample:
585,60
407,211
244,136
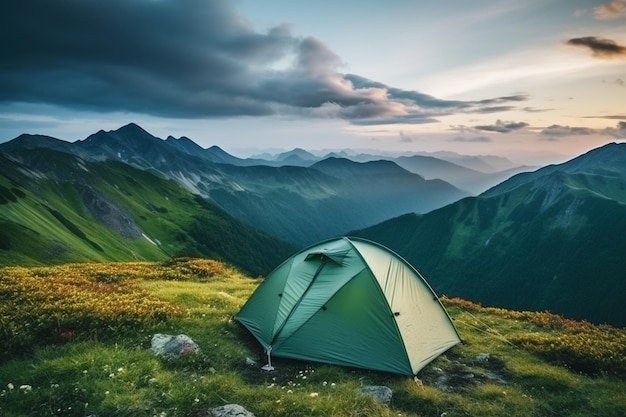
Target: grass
94,357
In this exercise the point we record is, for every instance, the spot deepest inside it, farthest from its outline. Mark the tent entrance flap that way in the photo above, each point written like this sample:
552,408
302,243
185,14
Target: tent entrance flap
295,307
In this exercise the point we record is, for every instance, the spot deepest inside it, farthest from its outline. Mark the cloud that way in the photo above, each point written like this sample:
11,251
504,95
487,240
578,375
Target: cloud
535,110
610,116
558,130
554,132
502,127
600,47
612,10
192,59
405,138
473,139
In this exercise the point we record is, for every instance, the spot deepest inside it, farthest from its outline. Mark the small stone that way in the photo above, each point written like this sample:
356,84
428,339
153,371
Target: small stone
380,393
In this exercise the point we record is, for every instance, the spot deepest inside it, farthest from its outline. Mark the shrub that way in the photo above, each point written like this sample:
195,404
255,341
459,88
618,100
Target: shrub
54,304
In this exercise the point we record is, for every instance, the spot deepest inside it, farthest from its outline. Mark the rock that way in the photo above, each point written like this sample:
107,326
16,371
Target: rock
380,393
173,346
482,357
230,410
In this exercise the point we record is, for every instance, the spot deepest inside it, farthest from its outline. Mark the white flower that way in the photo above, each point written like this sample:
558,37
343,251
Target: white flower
26,388
196,400
324,383
10,386
314,394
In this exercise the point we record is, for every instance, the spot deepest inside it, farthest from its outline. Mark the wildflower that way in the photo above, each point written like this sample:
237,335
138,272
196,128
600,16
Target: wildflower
10,386
289,391
26,388
196,400
324,383
106,392
314,394
54,386
333,385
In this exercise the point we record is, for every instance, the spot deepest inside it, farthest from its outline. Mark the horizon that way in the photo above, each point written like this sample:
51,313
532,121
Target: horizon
537,82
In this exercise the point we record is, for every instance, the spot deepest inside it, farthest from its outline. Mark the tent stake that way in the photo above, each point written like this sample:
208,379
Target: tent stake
269,366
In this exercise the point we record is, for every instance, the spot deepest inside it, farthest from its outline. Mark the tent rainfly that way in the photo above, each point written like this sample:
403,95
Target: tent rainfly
351,302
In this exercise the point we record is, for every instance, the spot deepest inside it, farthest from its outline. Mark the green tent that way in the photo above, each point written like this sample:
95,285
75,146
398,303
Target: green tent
351,302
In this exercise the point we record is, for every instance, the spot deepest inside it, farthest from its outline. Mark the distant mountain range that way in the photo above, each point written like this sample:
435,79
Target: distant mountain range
296,204
552,239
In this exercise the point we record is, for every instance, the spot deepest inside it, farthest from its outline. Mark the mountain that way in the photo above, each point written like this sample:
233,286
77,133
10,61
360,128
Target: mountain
297,204
552,239
56,207
473,174
464,178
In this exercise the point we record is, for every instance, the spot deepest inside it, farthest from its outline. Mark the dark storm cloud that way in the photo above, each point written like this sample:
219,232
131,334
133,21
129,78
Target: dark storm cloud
599,47
191,59
502,127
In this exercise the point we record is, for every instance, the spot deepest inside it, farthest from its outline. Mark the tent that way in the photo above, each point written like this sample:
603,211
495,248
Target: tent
351,302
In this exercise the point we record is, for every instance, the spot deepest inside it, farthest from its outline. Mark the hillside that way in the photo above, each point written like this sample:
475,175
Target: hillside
77,343
56,207
547,240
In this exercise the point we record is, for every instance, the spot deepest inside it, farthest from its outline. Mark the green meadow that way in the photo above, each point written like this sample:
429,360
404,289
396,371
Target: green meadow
75,341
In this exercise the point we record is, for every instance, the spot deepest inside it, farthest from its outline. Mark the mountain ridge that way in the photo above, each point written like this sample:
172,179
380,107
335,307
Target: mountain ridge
548,239
263,196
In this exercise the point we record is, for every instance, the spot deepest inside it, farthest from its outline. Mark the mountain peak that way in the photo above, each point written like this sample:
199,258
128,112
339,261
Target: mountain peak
132,131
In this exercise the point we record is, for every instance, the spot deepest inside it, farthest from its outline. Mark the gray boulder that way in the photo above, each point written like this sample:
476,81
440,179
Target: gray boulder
229,410
173,346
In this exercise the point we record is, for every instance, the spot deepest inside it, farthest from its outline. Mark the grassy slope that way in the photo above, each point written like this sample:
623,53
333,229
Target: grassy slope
43,219
104,366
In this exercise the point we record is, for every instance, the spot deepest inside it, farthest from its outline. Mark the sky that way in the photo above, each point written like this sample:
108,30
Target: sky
536,81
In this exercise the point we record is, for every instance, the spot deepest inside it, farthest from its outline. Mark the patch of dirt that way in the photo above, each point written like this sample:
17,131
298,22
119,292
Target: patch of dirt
109,214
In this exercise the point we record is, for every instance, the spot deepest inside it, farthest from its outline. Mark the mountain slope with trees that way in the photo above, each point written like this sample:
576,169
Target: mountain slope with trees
547,240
